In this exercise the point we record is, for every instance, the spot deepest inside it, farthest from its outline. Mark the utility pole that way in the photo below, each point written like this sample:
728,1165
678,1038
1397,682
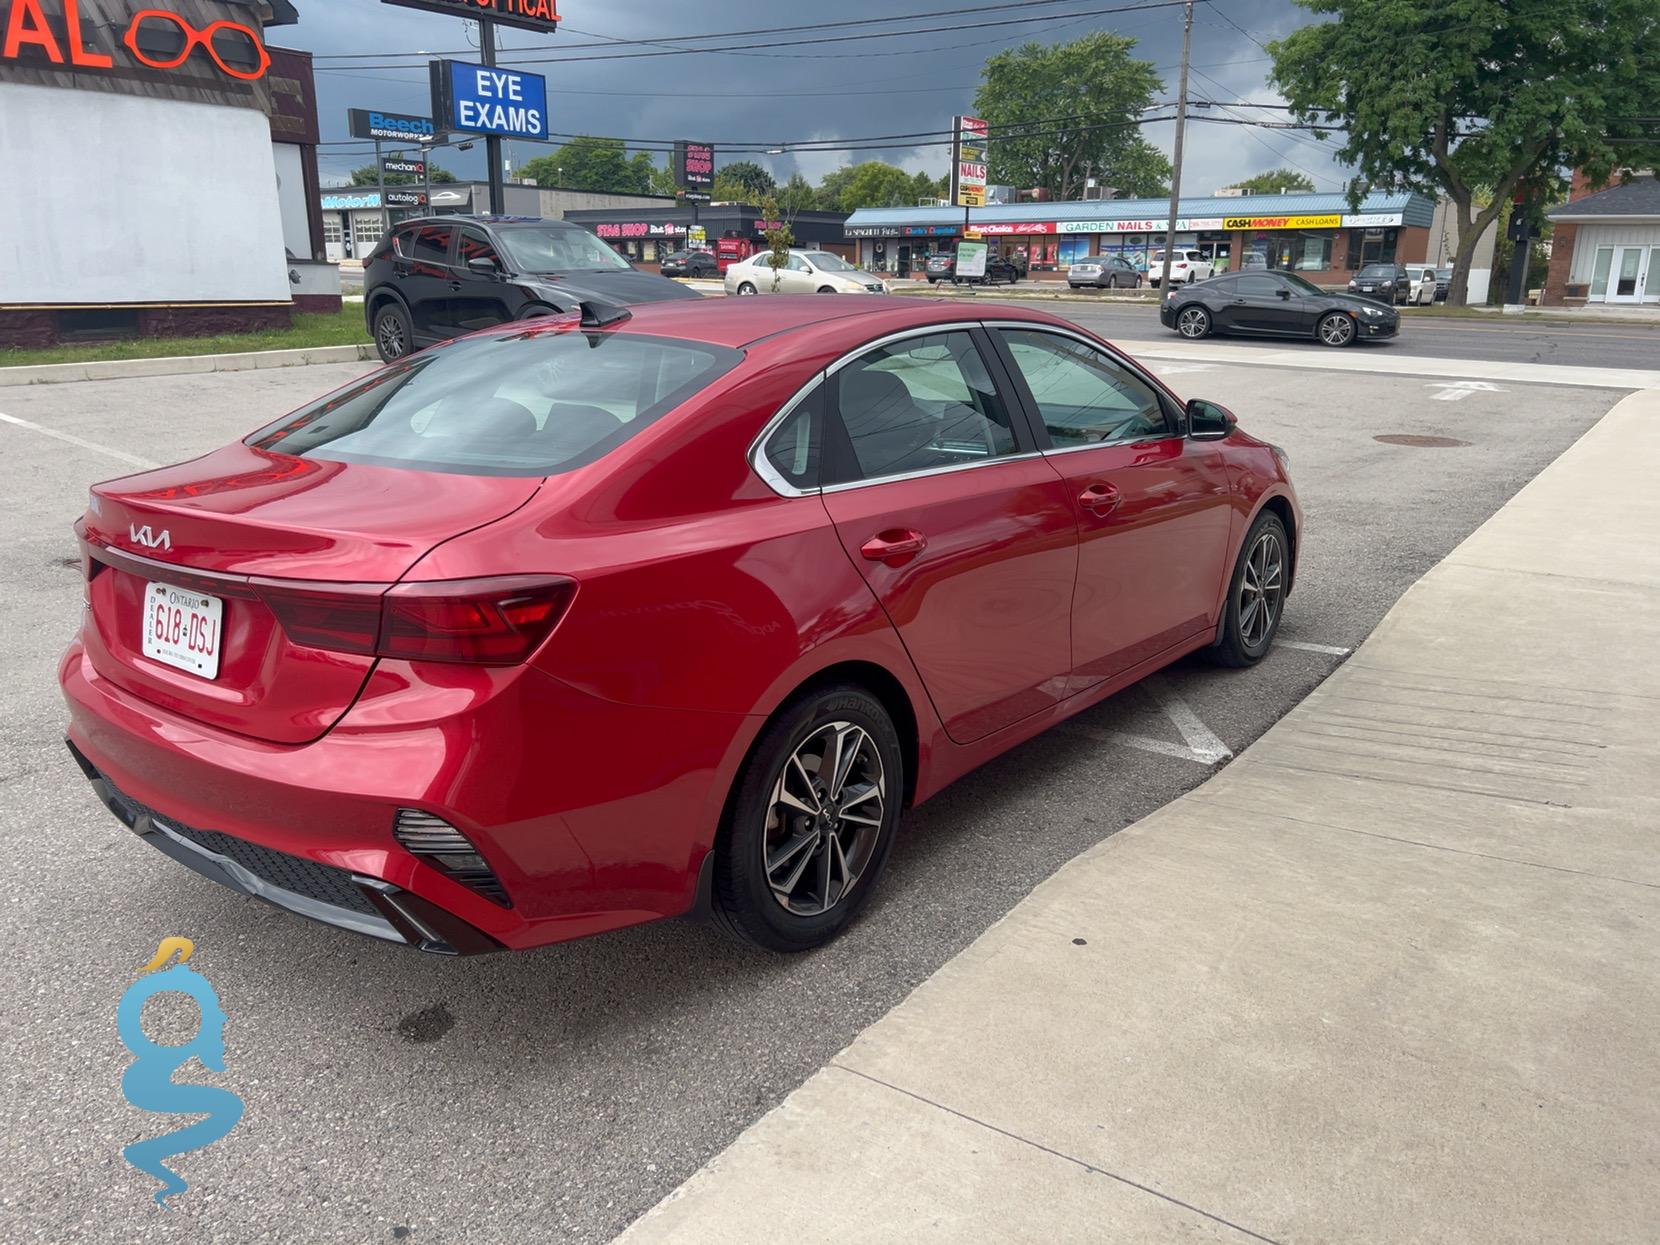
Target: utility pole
1176,172
380,181
492,144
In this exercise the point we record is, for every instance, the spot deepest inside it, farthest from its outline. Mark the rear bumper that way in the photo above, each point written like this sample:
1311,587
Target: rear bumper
323,893
593,815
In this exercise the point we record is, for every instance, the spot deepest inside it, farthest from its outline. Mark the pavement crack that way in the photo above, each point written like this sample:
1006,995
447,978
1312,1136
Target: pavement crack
1060,1154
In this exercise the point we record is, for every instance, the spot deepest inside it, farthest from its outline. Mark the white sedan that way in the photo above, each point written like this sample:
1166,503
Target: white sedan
1184,266
803,272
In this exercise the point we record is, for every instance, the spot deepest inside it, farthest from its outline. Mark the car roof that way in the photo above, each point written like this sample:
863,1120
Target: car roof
467,218
739,322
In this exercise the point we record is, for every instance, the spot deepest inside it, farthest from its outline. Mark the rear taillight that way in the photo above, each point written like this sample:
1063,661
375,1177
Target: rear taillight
498,621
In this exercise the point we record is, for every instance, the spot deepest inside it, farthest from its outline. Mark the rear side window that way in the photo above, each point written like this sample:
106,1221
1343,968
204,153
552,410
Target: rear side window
792,451
428,243
526,404
918,405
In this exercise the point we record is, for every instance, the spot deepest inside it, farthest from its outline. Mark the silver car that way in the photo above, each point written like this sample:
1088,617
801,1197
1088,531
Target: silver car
804,272
1104,272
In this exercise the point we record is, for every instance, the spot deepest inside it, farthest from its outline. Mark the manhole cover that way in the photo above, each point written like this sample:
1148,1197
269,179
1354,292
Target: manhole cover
1423,443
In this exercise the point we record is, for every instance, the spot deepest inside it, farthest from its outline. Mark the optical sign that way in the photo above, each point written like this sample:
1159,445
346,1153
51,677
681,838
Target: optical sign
539,15
478,99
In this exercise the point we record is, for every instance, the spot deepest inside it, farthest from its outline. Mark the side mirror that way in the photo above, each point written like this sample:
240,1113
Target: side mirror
1283,292
483,265
1206,421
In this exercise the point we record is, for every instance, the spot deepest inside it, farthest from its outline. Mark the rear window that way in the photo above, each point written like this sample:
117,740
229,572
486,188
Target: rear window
522,404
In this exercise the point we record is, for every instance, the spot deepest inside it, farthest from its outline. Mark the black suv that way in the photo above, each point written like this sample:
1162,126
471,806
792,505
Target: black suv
1388,283
438,277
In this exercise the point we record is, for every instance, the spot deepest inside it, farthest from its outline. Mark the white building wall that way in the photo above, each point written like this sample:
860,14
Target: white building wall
1590,237
291,199
137,200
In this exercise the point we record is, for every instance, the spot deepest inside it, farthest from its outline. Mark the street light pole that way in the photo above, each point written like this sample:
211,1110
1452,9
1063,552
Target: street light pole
492,144
1176,172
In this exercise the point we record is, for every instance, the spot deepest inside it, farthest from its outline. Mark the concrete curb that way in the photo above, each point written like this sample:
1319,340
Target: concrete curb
182,365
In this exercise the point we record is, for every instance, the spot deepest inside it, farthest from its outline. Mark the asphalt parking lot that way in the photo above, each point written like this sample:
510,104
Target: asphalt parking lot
555,1095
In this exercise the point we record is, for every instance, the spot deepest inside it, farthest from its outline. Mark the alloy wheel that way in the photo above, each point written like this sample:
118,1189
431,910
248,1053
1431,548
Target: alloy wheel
392,343
1193,322
824,819
1261,590
1336,330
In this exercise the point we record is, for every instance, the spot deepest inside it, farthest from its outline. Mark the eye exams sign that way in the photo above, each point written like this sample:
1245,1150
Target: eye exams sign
477,99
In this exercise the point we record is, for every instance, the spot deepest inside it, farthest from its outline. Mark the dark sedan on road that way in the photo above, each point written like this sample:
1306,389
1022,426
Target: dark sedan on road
689,264
435,278
1274,304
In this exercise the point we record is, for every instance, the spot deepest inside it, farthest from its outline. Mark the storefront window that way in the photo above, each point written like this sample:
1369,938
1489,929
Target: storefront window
1299,251
1372,246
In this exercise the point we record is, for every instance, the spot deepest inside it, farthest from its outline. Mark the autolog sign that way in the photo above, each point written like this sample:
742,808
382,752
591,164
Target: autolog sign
479,99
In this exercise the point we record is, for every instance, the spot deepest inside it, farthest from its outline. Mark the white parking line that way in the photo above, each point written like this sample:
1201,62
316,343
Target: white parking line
1306,647
1201,741
130,459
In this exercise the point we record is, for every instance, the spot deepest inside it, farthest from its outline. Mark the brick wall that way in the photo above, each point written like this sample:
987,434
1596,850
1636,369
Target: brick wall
30,327
1556,291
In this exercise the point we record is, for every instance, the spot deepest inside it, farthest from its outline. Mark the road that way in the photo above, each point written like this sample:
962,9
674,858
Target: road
555,1095
1510,339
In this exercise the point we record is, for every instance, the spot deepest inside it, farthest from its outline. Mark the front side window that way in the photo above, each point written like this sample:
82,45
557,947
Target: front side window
918,405
824,261
1259,287
1083,396
797,264
522,404
474,245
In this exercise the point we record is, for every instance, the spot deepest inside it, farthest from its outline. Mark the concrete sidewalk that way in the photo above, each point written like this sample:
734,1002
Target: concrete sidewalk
1394,975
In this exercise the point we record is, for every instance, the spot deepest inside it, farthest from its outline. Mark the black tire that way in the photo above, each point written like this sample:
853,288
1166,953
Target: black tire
394,335
745,903
1193,322
538,311
824,289
745,287
1242,641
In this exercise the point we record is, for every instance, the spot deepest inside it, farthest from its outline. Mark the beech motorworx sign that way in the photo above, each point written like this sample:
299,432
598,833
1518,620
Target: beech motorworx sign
539,15
155,38
371,123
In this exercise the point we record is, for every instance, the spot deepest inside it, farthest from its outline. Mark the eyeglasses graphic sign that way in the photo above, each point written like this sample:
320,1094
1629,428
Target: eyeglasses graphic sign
53,32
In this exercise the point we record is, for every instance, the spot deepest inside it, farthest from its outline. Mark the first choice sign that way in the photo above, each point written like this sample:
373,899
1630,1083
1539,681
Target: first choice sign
479,99
526,14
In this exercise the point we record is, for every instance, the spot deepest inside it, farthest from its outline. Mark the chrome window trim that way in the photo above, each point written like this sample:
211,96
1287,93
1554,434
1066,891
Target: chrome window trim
763,468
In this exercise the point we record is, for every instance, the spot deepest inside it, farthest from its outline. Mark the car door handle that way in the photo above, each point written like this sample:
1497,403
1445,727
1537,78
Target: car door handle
1100,499
1239,302
895,543
456,286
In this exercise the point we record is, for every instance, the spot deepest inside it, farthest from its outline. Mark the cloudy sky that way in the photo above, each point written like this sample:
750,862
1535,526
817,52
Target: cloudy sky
890,84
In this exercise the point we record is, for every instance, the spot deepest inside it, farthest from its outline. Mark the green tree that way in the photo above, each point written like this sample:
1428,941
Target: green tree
1276,181
796,196
590,163
873,183
755,182
1062,112
779,240
369,174
1479,94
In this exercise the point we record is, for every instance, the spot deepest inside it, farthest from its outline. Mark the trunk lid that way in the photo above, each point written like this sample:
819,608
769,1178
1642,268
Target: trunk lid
236,527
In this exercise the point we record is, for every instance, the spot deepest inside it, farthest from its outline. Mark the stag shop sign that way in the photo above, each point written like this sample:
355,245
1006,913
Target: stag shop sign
71,35
639,229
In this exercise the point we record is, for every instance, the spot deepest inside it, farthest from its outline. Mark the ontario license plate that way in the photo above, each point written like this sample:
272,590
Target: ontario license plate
183,628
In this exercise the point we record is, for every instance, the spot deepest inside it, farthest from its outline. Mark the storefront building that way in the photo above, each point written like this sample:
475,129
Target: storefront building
1605,247
1317,236
212,143
646,237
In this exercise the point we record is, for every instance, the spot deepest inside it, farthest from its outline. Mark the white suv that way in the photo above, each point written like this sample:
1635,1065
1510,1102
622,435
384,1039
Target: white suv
1184,266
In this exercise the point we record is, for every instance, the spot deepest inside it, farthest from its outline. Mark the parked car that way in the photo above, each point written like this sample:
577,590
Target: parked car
1103,272
940,267
1421,291
1388,283
434,278
998,271
1274,304
690,264
1184,266
804,272
1443,283
566,626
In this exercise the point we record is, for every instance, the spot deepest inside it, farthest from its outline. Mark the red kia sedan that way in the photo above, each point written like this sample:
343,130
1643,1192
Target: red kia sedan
574,624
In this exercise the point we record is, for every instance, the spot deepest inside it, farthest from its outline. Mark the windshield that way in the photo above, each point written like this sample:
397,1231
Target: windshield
558,250
1378,270
826,262
531,403
1300,285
